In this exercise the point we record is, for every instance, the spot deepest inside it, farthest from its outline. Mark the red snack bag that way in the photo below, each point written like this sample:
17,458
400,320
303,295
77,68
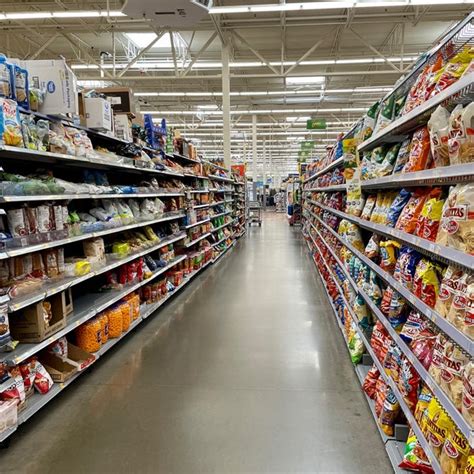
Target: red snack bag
28,372
379,335
422,346
43,381
14,387
407,221
380,395
420,153
370,382
408,384
426,282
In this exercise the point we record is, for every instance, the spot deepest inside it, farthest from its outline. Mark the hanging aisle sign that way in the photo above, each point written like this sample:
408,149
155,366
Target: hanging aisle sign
316,124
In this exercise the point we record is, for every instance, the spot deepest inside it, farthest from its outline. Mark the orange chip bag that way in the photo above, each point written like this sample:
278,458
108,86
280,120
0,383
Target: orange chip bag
420,154
407,221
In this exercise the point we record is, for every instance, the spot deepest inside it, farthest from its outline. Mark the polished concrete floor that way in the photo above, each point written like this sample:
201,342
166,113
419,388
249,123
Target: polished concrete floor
244,372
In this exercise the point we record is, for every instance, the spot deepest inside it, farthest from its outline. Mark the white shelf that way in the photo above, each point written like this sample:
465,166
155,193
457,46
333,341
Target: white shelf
220,178
55,243
223,252
70,197
217,203
221,214
56,286
201,206
336,187
221,227
416,117
198,191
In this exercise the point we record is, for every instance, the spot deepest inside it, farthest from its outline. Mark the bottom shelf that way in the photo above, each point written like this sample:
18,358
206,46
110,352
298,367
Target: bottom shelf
38,401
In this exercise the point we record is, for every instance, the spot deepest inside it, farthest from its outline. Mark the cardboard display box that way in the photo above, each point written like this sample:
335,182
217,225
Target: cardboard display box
121,99
59,83
59,369
79,357
28,325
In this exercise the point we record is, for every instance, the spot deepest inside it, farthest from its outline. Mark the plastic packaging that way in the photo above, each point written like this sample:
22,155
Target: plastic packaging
88,335
438,127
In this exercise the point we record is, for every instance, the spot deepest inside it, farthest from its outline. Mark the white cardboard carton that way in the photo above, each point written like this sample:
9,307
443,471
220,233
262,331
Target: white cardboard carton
59,83
98,113
122,127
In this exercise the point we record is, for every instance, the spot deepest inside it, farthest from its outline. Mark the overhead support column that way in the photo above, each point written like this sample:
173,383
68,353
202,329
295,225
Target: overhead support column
254,156
226,103
264,172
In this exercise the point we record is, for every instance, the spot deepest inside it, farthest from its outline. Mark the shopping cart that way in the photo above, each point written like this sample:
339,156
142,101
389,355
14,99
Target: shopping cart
254,213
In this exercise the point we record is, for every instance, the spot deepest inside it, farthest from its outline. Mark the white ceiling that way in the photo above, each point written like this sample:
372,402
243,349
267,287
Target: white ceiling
264,47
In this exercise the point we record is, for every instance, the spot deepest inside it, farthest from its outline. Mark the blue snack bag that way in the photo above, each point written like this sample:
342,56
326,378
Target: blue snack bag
21,90
397,207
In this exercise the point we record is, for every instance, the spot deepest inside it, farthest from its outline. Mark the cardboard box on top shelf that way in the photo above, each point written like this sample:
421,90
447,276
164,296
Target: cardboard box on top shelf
59,83
98,114
121,98
29,325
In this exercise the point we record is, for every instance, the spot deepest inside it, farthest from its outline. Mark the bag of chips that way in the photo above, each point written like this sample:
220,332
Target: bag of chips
406,266
415,458
438,126
402,156
377,341
455,135
457,221
456,451
370,382
437,426
420,154
447,290
421,409
397,206
43,381
429,219
426,282
386,167
386,112
368,207
380,394
437,358
452,366
388,255
408,218
361,311
414,324
461,312
408,383
422,346
372,249
390,411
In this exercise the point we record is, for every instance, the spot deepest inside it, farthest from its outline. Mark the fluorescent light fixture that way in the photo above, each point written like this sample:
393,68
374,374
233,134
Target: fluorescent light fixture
142,40
208,107
59,14
305,80
338,5
165,113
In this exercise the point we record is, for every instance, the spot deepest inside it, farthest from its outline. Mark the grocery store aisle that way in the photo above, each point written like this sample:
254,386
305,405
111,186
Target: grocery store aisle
245,371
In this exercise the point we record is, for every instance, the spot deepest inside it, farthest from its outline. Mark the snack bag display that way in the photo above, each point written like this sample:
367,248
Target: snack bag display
420,153
455,135
388,255
455,452
437,358
424,399
381,389
457,221
426,282
415,458
438,127
402,156
447,290
461,312
408,218
351,234
386,167
437,426
368,207
428,222
386,113
10,127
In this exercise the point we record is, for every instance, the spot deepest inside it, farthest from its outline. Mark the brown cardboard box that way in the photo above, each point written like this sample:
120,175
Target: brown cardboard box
121,98
28,325
59,369
79,357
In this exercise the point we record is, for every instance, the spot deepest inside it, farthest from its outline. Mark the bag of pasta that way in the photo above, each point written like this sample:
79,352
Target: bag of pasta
456,451
457,221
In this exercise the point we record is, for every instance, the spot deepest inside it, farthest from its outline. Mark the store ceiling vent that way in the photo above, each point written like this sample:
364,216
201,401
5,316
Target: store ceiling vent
173,13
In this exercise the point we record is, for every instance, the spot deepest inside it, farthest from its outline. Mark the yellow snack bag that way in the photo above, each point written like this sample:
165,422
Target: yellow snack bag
455,454
437,426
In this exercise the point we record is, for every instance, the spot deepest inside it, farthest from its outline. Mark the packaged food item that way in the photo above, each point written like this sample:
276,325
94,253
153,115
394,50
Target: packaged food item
438,127
421,409
14,387
426,281
43,381
368,207
456,451
351,234
414,324
466,141
408,218
408,383
447,290
114,316
422,346
354,200
28,372
10,127
361,311
104,328
6,78
386,167
467,408
420,154
59,347
44,218
390,410
461,312
372,249
4,325
95,248
21,86
88,335
452,366
126,316
437,359
402,156
386,113
381,389
50,259
388,255
370,381
457,221
428,222
397,206
437,426
369,122
17,222
393,306
377,341
455,135
415,458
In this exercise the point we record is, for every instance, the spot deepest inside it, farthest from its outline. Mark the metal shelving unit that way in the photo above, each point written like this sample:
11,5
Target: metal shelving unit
329,167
